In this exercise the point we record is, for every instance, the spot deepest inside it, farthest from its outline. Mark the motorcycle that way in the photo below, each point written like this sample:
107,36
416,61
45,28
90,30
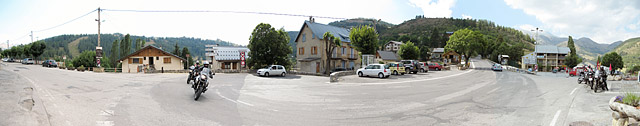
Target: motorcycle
581,78
597,84
201,83
590,79
191,74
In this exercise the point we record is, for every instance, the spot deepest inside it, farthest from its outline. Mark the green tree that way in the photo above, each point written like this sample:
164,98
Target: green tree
184,53
105,62
114,54
365,39
143,43
138,44
465,42
87,59
268,46
176,50
123,48
37,48
572,60
612,59
408,51
436,38
331,43
26,50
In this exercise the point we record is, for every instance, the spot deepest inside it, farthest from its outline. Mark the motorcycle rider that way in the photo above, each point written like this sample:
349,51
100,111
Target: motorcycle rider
603,77
204,69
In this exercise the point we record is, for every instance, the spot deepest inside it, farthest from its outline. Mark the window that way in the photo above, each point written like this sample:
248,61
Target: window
145,58
301,51
273,67
167,60
304,37
157,58
314,50
344,51
135,61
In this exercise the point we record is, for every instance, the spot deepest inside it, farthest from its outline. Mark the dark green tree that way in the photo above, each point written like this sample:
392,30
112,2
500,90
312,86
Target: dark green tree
331,43
176,50
37,48
573,59
114,54
365,39
268,46
26,50
184,53
408,51
87,59
143,43
612,59
123,48
138,44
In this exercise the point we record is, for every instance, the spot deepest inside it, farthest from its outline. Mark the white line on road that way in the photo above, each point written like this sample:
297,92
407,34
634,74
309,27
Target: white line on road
555,118
234,101
574,90
493,90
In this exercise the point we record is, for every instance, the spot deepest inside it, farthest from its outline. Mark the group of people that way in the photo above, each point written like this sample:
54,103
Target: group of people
198,69
598,73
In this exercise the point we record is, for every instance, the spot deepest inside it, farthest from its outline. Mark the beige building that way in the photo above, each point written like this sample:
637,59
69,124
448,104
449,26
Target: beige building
545,56
226,57
392,46
310,46
151,58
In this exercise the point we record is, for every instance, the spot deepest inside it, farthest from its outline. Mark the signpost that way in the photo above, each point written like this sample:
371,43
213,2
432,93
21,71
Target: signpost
242,64
98,55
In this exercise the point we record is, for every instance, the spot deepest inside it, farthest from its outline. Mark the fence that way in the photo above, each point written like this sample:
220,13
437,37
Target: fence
114,70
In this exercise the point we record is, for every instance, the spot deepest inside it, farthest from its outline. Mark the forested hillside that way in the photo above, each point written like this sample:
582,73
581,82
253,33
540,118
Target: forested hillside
629,50
59,45
381,26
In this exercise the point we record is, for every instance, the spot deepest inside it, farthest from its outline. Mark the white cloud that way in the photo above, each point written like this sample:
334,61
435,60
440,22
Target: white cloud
435,8
602,21
464,16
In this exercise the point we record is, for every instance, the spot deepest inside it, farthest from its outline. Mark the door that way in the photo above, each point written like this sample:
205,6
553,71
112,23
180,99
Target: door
151,61
317,67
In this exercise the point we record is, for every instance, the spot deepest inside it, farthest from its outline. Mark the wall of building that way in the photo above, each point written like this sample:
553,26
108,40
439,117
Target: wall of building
312,41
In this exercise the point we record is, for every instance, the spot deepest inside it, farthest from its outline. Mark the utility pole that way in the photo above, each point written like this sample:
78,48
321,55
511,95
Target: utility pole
31,36
98,48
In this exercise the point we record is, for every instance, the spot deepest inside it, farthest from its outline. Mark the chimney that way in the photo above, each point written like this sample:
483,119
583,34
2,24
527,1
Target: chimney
311,19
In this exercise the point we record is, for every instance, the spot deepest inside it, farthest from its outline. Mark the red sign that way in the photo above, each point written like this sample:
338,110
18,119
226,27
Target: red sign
242,59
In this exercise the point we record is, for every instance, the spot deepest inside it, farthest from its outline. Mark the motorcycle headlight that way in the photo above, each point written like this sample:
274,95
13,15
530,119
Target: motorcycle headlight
203,77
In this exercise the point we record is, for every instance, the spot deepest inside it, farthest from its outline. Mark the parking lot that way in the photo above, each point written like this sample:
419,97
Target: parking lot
476,96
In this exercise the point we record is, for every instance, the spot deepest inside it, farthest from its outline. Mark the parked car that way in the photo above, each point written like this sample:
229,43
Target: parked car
27,61
396,68
49,63
411,66
379,70
424,67
272,70
496,67
435,66
10,60
576,71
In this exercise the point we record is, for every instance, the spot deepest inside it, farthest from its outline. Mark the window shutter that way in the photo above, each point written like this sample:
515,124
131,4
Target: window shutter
130,60
140,61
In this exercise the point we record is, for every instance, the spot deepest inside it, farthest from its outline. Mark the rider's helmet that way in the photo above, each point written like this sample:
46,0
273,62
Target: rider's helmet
206,64
197,63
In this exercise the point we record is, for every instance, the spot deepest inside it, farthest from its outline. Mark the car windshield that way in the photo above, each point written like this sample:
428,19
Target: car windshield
406,62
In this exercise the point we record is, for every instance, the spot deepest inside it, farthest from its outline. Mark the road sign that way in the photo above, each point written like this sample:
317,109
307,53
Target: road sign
188,55
242,59
98,62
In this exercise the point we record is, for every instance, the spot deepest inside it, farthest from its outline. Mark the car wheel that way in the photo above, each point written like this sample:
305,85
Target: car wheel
266,74
395,72
380,75
360,74
283,74
402,73
437,69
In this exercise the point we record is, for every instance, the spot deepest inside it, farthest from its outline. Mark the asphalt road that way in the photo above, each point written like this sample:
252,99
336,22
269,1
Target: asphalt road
477,96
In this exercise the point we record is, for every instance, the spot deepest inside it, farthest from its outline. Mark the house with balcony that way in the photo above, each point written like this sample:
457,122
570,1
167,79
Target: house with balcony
311,56
226,57
545,56
392,46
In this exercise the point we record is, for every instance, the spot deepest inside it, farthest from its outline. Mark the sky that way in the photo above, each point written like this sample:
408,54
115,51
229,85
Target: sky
602,21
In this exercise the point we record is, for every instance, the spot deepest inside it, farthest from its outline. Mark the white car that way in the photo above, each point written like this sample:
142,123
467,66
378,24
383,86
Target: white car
379,70
272,70
496,67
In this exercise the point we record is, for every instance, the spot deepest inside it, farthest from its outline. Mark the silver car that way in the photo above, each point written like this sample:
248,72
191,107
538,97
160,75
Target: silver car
272,70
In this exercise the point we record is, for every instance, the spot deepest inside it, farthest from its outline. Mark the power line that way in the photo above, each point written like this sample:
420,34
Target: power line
213,11
67,21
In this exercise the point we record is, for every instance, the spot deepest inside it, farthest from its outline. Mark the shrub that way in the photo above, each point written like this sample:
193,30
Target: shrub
631,99
81,68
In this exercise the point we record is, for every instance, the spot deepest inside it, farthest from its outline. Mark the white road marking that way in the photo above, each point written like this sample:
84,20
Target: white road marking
460,93
234,101
106,113
493,90
574,90
555,118
104,123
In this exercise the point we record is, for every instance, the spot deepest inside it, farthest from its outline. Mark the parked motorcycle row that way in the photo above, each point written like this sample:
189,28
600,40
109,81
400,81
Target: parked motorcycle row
594,79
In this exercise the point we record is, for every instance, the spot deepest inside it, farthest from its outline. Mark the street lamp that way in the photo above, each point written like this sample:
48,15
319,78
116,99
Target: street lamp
536,30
